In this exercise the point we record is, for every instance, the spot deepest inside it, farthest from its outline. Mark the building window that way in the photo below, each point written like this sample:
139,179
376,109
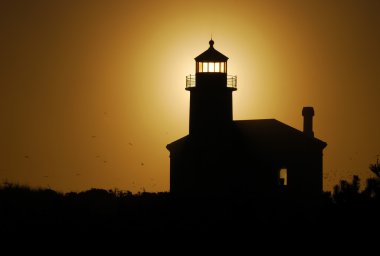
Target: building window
283,177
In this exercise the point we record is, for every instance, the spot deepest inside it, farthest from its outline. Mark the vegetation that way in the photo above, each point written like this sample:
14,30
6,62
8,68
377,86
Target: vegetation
113,214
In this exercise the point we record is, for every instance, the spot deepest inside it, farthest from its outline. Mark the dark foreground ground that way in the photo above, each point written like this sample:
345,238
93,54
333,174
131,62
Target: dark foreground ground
108,219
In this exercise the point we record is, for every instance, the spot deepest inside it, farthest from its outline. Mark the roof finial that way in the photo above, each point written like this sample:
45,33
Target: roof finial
211,42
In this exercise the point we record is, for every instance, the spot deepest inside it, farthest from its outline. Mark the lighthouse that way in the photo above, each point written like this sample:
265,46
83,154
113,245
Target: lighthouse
221,156
210,93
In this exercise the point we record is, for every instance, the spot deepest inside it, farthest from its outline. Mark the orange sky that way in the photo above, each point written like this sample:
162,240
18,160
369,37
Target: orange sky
92,91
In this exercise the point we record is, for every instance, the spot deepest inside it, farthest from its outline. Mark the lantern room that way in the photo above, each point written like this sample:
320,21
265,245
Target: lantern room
211,61
210,71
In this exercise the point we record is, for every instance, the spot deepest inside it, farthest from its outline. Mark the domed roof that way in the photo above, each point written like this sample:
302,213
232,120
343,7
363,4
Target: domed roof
211,55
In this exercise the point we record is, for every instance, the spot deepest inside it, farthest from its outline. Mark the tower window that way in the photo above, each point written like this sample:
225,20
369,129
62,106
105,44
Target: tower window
217,67
283,177
200,67
211,67
222,68
205,67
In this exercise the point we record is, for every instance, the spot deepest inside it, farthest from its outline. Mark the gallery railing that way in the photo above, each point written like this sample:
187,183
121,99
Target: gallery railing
191,81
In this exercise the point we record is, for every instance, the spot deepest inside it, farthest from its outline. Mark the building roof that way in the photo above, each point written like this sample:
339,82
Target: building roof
273,134
211,55
265,134
177,144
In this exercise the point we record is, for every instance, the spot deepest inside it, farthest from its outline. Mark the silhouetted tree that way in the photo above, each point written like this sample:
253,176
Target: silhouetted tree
347,192
375,168
372,189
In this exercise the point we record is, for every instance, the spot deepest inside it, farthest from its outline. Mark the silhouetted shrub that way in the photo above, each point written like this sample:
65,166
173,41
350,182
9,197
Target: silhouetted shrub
116,213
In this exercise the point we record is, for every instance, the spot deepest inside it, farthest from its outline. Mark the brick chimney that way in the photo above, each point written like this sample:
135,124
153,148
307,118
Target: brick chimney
308,113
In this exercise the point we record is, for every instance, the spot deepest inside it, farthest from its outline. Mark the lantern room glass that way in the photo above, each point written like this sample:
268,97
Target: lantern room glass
211,67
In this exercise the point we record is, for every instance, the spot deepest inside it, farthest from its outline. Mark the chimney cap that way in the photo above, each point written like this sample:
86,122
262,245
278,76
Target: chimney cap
308,111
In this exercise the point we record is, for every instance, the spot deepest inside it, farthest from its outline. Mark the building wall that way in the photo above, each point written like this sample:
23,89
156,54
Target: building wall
220,170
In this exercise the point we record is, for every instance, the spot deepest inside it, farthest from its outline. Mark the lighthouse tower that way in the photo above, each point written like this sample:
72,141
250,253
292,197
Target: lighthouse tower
210,93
